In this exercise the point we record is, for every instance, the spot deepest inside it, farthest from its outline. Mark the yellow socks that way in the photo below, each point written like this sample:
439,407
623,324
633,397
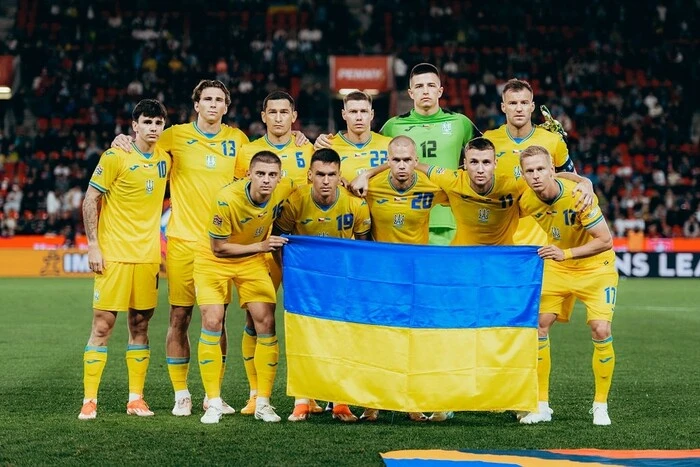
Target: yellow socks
266,359
178,368
137,359
248,344
209,352
94,361
603,367
544,367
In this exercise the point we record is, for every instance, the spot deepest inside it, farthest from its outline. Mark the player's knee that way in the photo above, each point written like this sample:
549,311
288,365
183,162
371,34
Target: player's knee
600,330
212,322
265,324
180,317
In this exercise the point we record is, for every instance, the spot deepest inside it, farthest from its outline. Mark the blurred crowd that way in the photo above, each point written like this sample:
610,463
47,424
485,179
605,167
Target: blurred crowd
620,76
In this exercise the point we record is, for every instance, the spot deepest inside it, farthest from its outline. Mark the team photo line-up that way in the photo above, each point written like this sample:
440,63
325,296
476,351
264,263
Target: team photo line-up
428,177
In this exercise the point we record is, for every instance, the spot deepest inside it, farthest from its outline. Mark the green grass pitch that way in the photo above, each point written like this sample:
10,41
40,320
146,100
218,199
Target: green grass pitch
44,325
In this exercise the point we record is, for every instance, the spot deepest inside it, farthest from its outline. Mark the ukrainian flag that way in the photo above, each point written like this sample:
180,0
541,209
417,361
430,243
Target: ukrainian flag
412,327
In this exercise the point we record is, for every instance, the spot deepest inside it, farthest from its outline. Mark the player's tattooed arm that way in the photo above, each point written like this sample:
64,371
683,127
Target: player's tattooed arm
90,219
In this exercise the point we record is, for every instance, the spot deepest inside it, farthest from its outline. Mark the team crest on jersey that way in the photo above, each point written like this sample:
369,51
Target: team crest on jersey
484,215
99,170
517,172
259,231
210,161
447,128
218,220
399,220
96,297
284,173
556,234
149,186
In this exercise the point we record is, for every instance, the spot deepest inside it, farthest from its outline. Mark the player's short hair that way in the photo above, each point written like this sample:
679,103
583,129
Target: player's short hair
534,150
210,83
326,155
516,85
480,144
402,140
423,68
265,157
357,96
149,108
278,96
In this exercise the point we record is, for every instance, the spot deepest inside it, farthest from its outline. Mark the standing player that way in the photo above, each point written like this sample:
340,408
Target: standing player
278,114
124,252
204,155
359,147
579,264
327,210
439,135
234,249
517,134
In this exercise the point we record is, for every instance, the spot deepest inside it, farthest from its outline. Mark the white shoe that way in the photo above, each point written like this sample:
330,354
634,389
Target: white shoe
266,413
543,414
225,408
183,407
600,414
212,415
441,416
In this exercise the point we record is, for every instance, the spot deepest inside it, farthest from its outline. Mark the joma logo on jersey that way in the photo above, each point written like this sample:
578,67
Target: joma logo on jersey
499,154
306,221
447,128
382,201
210,161
149,186
556,234
484,215
399,220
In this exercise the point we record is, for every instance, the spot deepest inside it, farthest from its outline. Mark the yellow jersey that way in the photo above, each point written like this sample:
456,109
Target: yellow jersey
346,218
482,219
508,151
402,216
133,184
235,217
295,159
202,164
565,227
357,158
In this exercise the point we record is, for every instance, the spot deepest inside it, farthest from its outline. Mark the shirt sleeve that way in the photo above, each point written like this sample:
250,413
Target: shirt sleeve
107,170
285,221
165,142
220,218
242,163
444,178
562,160
388,128
591,216
470,130
363,221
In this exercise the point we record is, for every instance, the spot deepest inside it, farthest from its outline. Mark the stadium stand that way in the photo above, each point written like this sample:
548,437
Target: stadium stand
620,76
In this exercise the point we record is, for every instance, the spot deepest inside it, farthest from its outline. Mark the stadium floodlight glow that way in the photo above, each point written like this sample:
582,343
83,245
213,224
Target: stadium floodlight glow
5,92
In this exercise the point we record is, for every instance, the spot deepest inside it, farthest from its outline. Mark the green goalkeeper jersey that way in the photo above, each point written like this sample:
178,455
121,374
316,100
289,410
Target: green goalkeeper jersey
439,140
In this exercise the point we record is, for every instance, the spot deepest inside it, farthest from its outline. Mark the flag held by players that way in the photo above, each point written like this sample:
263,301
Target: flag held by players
412,327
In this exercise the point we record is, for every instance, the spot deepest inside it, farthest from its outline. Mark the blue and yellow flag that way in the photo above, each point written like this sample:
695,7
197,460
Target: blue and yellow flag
412,327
